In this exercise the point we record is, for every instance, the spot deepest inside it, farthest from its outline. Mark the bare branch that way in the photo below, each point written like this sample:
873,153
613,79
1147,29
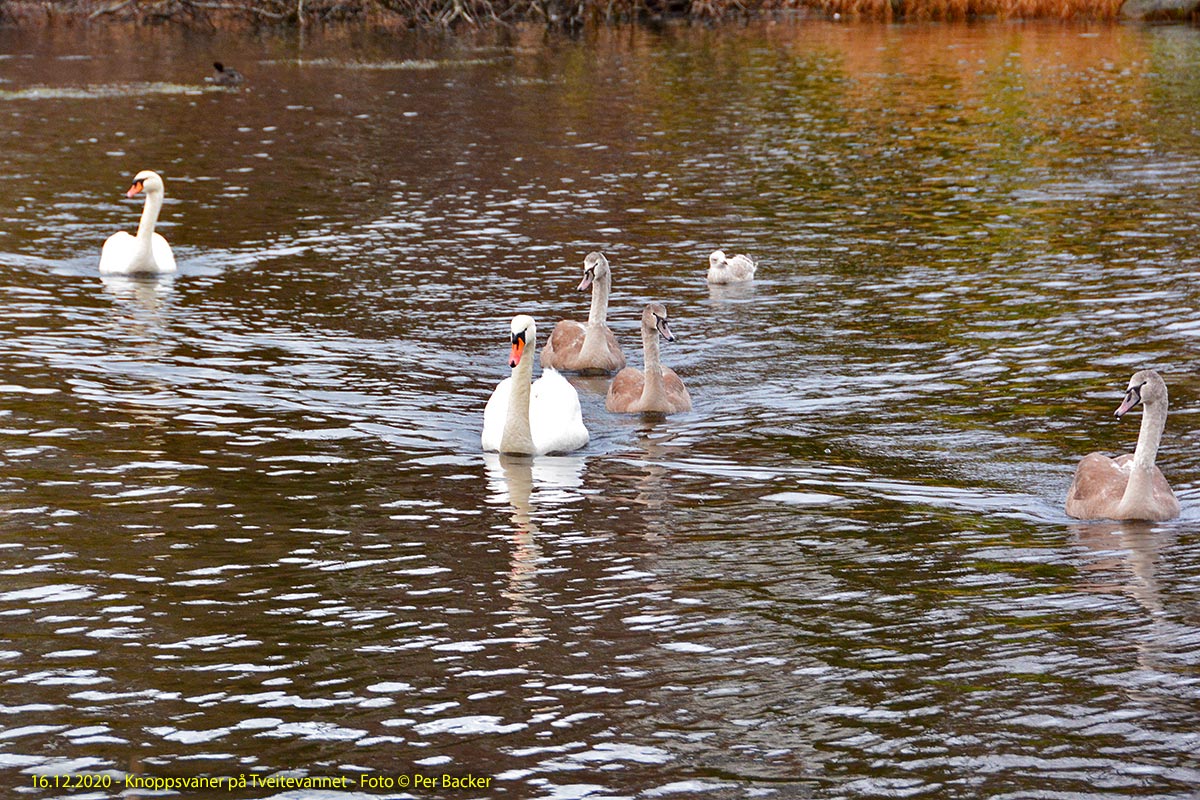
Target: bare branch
99,12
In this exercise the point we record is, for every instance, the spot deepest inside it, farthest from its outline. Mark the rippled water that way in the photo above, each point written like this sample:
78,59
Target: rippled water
245,526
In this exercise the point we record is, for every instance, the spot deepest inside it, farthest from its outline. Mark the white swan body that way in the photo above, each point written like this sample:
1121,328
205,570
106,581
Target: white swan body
148,252
722,269
525,417
1128,487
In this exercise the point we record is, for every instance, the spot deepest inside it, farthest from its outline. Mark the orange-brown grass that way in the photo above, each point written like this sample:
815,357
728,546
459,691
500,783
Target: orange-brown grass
1063,9
868,9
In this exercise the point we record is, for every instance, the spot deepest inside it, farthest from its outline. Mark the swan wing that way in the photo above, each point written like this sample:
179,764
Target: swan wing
625,390
677,393
555,417
164,259
1164,498
742,267
1097,488
563,345
117,252
494,414
120,255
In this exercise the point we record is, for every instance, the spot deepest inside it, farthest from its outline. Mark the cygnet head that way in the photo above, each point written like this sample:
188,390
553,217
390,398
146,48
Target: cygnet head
524,337
716,259
145,181
595,267
1146,387
655,318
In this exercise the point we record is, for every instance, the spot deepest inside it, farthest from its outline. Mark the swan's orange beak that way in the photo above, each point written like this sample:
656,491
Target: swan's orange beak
134,190
517,351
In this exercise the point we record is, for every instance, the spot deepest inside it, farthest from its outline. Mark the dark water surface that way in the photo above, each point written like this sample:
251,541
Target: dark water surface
246,527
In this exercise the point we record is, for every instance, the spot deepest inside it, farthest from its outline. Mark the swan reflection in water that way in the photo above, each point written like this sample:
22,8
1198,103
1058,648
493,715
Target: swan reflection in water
142,294
640,496
532,487
141,321
141,341
1124,559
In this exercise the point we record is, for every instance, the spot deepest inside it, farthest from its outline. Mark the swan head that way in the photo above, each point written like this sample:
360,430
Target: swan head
595,267
716,259
145,181
655,318
1146,387
524,337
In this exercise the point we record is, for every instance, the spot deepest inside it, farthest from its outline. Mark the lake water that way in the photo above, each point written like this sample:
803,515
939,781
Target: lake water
246,528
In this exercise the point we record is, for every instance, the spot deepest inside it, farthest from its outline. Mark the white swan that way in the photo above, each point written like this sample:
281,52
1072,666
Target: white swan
576,347
722,269
525,418
658,390
148,252
1128,487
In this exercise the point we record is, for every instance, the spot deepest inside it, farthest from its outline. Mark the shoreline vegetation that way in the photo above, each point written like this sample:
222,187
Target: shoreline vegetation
564,14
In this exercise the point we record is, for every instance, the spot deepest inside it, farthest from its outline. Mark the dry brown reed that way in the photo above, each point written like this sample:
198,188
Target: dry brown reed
558,13
414,13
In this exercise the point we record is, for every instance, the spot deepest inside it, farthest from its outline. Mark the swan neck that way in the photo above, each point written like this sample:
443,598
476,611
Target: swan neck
600,289
653,362
518,435
1154,419
150,211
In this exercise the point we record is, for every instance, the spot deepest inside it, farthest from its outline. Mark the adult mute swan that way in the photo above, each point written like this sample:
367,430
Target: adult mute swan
722,269
658,389
1129,486
148,252
537,418
576,347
